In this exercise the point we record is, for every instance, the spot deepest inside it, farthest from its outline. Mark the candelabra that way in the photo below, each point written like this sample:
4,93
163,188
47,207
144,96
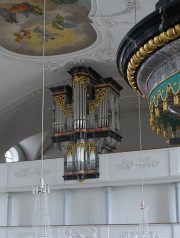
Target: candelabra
41,222
143,230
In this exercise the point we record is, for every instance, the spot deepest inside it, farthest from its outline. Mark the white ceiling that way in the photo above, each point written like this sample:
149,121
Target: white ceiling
21,79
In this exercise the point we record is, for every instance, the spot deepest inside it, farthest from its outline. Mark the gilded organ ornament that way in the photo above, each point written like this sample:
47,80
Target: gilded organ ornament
81,80
100,95
60,102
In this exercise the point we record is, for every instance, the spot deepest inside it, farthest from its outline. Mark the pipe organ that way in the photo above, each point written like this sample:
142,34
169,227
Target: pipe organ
86,121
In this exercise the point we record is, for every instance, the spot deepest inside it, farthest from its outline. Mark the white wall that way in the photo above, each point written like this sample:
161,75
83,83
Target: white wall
88,206
22,209
113,198
3,208
115,231
126,203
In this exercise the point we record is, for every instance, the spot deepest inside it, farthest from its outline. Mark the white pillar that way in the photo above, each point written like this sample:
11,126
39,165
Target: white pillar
65,207
172,202
108,206
9,209
177,201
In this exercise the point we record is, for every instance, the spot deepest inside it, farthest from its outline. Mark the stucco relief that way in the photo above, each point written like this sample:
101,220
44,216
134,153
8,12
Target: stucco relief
26,172
25,235
144,163
114,19
82,232
132,234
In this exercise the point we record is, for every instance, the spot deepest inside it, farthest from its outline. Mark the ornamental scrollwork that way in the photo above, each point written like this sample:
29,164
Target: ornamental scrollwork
79,144
92,147
132,234
131,5
25,235
92,105
60,101
26,172
69,110
144,163
85,232
69,150
81,80
100,95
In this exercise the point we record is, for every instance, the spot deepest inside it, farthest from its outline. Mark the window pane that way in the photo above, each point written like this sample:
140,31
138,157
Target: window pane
12,155
8,154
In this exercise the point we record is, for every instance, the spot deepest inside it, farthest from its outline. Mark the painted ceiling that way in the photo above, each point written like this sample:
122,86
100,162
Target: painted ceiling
68,27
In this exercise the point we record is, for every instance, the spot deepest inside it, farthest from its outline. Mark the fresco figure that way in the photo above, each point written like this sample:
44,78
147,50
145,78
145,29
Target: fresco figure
59,23
8,16
22,34
26,9
48,35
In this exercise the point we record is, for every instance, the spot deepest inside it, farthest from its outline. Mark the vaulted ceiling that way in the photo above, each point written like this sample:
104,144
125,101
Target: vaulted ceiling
79,32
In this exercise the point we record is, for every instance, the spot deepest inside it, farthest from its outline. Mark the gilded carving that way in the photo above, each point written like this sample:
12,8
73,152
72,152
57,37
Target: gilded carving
79,144
92,147
92,105
80,79
60,102
150,46
69,150
69,110
100,95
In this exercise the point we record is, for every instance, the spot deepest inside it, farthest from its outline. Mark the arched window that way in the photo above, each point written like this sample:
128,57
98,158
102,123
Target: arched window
12,155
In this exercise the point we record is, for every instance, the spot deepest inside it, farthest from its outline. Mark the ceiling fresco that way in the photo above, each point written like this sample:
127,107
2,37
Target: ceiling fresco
68,28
